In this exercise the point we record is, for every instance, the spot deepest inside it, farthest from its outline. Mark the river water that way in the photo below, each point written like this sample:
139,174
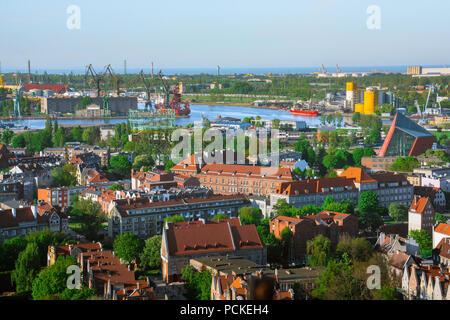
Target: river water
197,111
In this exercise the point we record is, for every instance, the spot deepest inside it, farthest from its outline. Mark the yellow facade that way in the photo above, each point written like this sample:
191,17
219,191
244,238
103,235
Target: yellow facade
350,86
370,101
359,107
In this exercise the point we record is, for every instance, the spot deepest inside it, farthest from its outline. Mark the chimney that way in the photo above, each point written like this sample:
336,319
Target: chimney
13,210
34,210
138,285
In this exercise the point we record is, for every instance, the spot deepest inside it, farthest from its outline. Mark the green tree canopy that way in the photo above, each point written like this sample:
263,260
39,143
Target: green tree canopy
128,246
318,250
398,211
151,254
250,215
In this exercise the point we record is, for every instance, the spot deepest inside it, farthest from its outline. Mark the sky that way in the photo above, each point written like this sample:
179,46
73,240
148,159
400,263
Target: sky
231,33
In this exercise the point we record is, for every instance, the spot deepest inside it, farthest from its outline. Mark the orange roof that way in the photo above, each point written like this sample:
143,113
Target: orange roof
358,174
443,228
419,204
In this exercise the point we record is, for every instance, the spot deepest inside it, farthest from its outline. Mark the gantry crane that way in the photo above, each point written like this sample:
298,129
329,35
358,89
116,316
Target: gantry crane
166,89
338,69
323,69
114,78
148,102
433,88
97,78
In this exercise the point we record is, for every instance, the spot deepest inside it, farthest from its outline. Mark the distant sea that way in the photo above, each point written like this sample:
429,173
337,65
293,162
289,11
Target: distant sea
225,70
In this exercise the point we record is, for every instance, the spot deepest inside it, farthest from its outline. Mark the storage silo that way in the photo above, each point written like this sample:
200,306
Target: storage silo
370,101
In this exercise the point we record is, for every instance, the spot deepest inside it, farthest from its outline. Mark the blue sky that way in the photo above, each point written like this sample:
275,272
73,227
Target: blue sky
232,33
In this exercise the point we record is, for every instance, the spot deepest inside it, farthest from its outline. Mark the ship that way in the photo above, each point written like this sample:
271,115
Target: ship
304,112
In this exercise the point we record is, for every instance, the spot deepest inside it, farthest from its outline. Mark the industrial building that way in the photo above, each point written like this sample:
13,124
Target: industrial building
117,105
406,138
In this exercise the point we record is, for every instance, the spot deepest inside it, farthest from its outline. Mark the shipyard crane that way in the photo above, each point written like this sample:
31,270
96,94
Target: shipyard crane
323,69
166,90
338,69
97,78
114,78
148,103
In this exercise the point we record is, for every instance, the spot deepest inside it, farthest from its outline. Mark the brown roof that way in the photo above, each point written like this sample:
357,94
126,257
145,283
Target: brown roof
126,204
443,248
314,186
187,239
23,215
247,171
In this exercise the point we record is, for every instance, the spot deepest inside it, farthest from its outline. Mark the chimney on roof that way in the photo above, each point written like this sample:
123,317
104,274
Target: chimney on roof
13,210
138,285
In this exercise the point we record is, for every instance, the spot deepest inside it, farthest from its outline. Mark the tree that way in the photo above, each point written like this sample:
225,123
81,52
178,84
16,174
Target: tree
10,250
368,201
143,160
151,254
51,283
250,215
369,220
398,211
358,249
7,136
220,216
91,218
405,164
440,218
423,239
62,178
169,165
27,268
116,187
18,141
128,246
197,284
120,165
318,250
59,138
336,282
174,218
285,242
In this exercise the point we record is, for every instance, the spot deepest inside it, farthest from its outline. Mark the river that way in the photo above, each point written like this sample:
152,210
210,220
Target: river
208,111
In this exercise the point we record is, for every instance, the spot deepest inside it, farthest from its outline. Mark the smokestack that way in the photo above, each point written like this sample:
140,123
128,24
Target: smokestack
125,66
152,69
29,71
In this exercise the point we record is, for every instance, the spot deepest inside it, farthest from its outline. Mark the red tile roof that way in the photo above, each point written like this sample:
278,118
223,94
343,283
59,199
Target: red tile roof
314,186
443,228
192,239
419,204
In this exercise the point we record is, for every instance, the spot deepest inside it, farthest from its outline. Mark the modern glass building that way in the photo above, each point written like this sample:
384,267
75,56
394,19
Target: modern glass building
406,138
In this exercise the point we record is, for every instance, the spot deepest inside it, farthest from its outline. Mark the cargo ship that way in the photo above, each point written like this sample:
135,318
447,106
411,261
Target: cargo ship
304,112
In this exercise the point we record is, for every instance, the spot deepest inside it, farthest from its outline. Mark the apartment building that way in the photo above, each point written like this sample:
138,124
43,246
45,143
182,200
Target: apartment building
22,221
327,223
145,218
421,215
61,197
183,241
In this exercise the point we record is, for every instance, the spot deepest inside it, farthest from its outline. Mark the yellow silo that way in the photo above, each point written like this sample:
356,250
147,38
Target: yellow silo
370,101
359,107
350,86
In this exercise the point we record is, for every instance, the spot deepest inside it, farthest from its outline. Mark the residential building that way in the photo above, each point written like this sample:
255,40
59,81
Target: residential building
111,278
406,138
426,283
327,223
441,254
436,195
151,180
61,197
440,231
22,221
145,218
421,215
54,252
301,193
184,241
